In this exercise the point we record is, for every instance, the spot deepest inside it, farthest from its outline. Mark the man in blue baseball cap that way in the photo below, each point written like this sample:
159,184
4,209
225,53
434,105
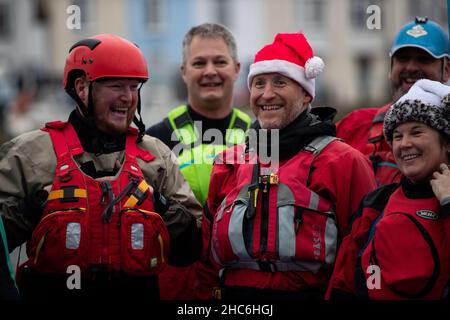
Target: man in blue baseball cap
420,51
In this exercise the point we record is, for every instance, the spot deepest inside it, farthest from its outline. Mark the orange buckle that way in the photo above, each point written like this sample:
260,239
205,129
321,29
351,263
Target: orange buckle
217,293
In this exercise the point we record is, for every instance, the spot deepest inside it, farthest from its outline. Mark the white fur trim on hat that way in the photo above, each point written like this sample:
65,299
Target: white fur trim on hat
286,68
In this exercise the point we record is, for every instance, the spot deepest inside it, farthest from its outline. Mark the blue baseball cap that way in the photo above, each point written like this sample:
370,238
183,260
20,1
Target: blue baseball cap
424,34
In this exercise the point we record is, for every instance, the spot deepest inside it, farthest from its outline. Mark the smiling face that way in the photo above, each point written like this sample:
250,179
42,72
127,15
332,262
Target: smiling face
411,64
209,73
115,102
277,100
418,150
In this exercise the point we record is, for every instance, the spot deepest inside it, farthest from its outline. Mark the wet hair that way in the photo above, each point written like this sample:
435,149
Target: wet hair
210,30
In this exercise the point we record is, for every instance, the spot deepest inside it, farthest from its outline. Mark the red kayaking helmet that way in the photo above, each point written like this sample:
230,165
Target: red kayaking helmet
105,56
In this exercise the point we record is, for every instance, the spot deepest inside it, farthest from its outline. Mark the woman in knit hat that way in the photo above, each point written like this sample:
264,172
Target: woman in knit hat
400,236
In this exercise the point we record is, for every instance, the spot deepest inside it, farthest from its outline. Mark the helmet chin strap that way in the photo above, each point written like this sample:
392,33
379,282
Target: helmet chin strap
86,111
138,121
89,110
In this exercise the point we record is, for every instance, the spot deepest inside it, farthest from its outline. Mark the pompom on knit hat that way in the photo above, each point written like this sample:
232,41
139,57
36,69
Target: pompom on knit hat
426,101
290,55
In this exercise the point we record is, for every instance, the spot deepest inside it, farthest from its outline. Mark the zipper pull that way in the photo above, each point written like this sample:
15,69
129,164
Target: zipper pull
230,209
253,200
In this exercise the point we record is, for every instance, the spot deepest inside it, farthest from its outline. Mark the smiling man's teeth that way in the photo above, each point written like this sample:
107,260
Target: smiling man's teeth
119,110
211,84
268,108
410,156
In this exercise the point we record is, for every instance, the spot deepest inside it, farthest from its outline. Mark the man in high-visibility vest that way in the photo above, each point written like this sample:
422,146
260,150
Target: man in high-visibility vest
206,125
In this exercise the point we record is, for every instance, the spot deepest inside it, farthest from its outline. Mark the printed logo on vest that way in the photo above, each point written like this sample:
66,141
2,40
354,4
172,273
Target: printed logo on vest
427,214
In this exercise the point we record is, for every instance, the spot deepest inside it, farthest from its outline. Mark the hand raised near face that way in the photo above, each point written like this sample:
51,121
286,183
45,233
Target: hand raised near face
441,184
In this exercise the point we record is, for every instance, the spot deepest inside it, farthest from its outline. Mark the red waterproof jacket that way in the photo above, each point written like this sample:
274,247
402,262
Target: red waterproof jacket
363,130
398,248
342,191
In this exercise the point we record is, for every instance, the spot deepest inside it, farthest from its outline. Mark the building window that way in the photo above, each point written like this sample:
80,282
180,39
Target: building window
223,11
40,12
84,12
359,13
154,15
436,12
87,14
5,20
364,68
311,12
157,59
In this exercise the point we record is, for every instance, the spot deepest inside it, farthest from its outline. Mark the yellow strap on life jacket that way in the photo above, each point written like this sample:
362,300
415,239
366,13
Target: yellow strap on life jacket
161,244
133,199
39,247
59,194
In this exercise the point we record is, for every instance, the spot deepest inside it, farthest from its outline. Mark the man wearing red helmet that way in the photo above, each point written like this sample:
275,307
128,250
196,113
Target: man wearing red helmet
102,207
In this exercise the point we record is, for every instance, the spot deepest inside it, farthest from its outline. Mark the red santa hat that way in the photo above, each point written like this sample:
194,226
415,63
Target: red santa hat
290,55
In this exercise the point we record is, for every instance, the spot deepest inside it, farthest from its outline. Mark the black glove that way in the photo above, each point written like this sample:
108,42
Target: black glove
32,206
185,240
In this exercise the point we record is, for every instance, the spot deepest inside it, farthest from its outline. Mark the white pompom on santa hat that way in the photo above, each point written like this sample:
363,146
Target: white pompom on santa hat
290,55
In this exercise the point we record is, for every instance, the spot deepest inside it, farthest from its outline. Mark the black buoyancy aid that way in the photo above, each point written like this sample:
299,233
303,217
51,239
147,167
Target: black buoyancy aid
408,243
272,221
108,223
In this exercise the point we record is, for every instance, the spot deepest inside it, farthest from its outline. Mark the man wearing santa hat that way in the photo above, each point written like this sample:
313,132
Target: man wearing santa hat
276,224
